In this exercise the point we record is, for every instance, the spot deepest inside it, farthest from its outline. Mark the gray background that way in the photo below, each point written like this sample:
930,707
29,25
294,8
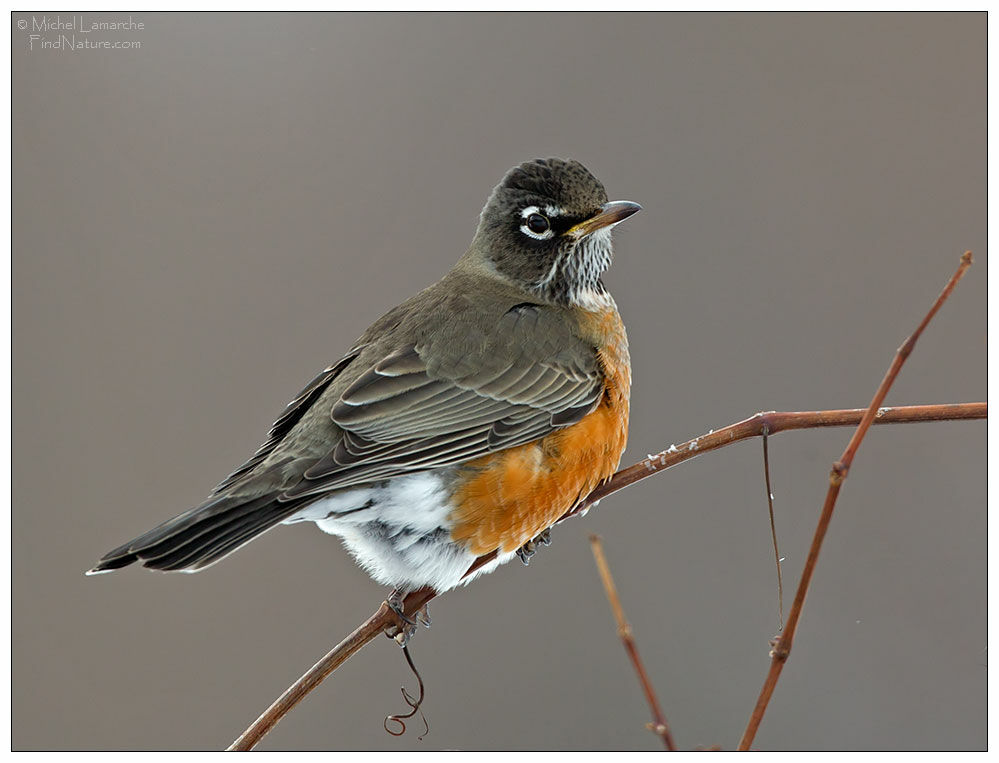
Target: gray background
203,223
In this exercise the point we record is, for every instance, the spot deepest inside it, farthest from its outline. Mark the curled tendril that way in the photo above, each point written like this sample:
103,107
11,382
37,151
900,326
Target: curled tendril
413,702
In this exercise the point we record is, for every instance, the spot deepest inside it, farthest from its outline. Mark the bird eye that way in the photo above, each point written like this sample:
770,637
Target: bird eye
535,224
538,223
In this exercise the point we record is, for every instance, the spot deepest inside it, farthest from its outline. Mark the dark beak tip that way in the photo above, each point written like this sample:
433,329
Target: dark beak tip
621,210
623,207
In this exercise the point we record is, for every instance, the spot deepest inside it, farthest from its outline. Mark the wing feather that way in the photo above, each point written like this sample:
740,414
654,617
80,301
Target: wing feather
427,406
289,417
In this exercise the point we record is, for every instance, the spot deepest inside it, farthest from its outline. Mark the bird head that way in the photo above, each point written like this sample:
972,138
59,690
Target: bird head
547,228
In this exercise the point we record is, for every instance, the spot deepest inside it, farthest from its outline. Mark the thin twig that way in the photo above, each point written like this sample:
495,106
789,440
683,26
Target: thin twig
752,427
773,531
415,703
659,726
782,644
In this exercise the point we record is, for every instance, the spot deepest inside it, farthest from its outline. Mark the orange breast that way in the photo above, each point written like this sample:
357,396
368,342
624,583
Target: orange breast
507,498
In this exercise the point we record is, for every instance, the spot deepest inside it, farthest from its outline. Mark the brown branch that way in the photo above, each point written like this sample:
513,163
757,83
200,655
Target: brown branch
752,427
782,644
659,726
315,676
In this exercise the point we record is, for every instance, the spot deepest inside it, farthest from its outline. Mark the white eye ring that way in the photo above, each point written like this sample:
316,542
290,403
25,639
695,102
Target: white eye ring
525,216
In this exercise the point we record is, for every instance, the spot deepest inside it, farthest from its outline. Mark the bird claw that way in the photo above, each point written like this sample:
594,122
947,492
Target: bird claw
423,616
526,551
530,548
405,627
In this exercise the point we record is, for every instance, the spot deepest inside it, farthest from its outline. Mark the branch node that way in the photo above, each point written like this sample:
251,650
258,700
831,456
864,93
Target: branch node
779,650
838,473
657,728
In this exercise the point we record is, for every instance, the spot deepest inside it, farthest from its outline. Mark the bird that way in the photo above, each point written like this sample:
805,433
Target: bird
464,422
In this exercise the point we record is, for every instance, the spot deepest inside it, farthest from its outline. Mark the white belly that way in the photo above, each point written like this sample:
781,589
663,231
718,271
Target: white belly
399,531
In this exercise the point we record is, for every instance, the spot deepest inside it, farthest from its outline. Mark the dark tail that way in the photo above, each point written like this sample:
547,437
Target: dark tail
201,536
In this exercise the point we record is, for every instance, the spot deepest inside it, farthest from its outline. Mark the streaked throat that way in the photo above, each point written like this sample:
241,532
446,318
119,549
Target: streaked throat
574,277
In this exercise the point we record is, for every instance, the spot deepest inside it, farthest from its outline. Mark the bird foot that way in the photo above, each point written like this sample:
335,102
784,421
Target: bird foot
405,626
530,548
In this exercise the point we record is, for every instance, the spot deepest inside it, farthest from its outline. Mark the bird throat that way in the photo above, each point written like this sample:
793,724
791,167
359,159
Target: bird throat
574,278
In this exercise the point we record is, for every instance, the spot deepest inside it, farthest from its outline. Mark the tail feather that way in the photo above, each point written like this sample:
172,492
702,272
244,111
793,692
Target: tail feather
200,536
172,535
236,538
205,549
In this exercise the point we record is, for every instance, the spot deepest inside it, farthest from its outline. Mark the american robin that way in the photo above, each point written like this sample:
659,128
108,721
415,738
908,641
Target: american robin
465,421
